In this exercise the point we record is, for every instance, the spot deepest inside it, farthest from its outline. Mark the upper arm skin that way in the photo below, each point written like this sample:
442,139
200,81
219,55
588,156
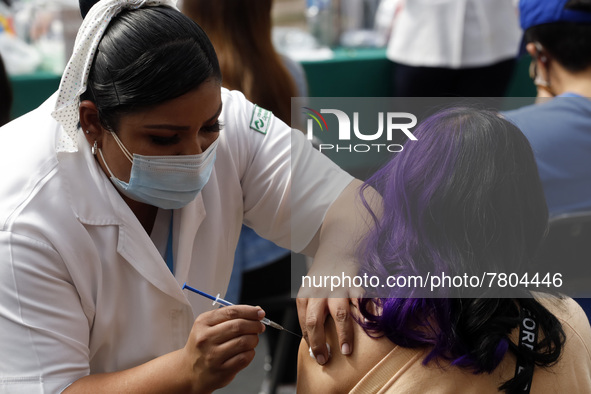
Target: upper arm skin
341,373
345,224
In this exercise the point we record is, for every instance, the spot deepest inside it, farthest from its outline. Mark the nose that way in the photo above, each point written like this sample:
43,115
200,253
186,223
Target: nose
199,144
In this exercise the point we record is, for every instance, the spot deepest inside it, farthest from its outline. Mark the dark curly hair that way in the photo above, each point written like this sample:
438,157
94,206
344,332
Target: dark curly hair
464,197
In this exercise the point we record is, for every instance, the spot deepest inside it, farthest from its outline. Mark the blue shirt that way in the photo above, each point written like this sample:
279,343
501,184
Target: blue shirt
559,132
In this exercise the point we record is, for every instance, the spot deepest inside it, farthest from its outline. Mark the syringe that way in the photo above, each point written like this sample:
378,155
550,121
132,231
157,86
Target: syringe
221,301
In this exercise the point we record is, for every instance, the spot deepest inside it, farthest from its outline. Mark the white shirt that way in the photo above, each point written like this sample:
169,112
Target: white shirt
83,288
455,33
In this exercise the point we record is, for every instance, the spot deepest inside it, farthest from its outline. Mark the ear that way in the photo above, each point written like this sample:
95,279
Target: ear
89,121
531,49
536,51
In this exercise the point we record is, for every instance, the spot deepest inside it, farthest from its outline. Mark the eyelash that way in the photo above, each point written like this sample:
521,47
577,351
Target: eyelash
214,128
165,140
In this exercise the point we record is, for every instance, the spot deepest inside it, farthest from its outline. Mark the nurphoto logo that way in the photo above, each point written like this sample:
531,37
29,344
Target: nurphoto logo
396,122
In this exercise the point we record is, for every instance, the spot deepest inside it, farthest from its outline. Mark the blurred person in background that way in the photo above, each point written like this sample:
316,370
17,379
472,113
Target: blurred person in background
448,48
241,35
558,37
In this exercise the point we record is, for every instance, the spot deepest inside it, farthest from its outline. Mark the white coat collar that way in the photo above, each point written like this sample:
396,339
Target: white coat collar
96,202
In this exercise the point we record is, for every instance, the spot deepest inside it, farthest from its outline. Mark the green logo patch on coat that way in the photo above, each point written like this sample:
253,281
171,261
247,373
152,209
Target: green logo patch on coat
261,118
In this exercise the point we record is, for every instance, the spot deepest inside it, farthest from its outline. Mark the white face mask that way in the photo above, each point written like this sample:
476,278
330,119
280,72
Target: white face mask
539,81
168,182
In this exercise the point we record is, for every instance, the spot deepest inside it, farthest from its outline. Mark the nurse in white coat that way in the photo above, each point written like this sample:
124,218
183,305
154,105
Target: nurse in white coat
141,161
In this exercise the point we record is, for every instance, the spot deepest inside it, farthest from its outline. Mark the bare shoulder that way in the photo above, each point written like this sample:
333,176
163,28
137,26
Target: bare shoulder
575,322
341,373
572,373
569,313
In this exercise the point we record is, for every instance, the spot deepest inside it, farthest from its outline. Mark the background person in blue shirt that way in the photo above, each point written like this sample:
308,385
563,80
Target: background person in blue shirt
558,37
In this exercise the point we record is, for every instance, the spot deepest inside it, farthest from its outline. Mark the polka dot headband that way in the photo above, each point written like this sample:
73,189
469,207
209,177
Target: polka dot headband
75,76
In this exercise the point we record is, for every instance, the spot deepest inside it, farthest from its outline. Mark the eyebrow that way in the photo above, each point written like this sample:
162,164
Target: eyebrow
182,128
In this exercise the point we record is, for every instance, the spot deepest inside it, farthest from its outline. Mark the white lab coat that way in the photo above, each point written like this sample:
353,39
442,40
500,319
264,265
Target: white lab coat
454,33
83,289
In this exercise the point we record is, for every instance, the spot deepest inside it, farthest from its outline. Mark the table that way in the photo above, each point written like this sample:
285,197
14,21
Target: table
368,73
31,90
351,73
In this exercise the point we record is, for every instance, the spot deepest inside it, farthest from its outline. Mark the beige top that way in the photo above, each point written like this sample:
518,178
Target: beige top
400,370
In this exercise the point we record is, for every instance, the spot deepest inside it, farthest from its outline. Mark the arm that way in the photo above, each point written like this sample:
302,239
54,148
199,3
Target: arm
43,325
46,331
334,250
221,344
299,199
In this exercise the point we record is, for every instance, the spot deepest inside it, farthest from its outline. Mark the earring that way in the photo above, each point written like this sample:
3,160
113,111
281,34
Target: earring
87,131
94,149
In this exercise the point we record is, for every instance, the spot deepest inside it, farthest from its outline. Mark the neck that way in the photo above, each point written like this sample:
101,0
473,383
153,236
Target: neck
146,214
578,83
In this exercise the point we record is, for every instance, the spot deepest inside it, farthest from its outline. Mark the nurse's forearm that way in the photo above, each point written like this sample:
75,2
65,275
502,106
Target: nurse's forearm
220,344
165,374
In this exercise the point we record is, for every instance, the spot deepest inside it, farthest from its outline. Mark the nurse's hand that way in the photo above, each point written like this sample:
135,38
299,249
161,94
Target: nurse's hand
334,249
312,314
221,344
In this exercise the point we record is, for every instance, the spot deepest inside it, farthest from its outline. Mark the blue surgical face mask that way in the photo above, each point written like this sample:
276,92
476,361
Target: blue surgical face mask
168,182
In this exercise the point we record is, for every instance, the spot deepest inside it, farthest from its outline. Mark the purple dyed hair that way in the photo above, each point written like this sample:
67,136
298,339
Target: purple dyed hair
465,196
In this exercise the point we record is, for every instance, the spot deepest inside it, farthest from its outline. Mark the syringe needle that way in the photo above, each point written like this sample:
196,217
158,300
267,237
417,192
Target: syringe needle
292,333
218,300
278,326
